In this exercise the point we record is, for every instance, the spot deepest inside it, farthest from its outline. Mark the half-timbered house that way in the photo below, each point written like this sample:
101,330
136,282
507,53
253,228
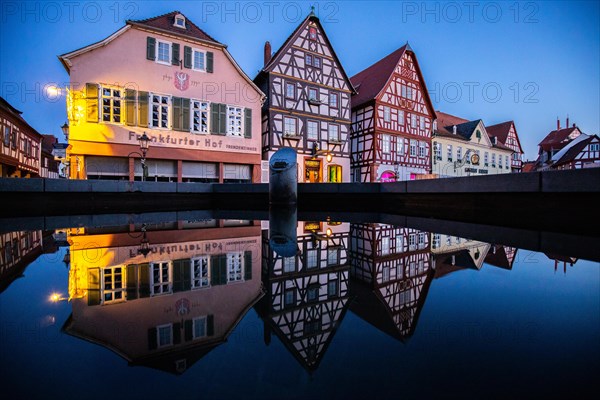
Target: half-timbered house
307,295
392,117
505,133
554,142
454,253
308,104
391,271
582,152
501,256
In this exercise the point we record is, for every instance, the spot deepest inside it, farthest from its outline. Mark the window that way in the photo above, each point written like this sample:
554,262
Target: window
421,240
289,297
234,120
486,157
290,90
7,135
113,288
200,267
458,153
199,326
399,147
160,111
312,292
312,258
506,159
449,149
385,273
385,144
515,156
333,255
163,52
332,288
316,62
289,264
164,335
412,241
179,21
437,151
593,147
334,133
111,105
448,241
399,242
436,241
335,173
386,114
413,121
289,126
199,64
313,94
308,59
421,267
422,122
500,161
312,33
312,130
333,100
385,245
160,277
401,117
234,266
407,92
199,115
493,159
413,148
421,149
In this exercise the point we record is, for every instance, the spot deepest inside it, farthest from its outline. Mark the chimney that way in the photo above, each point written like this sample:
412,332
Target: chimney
557,124
574,126
267,52
567,125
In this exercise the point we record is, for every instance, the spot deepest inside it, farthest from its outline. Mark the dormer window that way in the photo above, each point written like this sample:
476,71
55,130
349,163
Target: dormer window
179,21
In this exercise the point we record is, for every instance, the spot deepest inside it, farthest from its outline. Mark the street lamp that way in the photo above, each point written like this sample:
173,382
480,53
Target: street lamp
316,152
144,141
65,129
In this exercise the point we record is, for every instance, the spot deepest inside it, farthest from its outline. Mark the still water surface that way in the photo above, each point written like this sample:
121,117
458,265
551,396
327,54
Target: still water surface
209,309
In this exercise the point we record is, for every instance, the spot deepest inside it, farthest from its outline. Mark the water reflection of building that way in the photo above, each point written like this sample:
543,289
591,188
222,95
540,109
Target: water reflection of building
307,295
167,307
391,271
558,259
501,256
453,253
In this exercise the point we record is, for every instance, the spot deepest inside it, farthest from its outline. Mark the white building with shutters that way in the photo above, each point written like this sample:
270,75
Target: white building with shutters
167,78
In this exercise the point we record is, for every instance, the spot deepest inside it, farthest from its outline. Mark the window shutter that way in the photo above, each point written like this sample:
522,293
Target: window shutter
177,113
91,102
130,104
185,115
187,274
188,327
218,118
210,325
152,339
150,48
247,123
93,286
177,275
222,119
209,62
187,57
144,271
132,282
143,99
175,54
214,118
247,265
218,272
177,333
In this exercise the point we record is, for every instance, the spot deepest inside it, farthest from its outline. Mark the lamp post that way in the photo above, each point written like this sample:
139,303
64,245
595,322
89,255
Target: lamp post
65,130
144,142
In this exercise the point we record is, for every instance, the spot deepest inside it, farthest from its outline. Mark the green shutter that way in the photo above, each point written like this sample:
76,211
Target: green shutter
152,339
187,57
185,115
247,265
181,114
130,103
214,118
132,282
91,102
188,327
144,273
143,99
209,62
177,114
247,123
176,333
93,286
150,48
181,276
218,270
222,119
210,325
175,54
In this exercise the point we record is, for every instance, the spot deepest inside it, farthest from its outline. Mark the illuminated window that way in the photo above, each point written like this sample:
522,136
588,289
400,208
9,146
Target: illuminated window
386,114
312,130
160,111
163,52
160,278
289,126
164,335
111,105
113,288
333,288
335,173
199,327
234,266
385,144
199,58
333,100
200,268
200,114
334,133
235,121
333,255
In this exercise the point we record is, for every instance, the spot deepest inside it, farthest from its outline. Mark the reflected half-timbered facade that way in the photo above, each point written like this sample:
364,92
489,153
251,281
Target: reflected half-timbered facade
308,104
391,272
392,117
307,295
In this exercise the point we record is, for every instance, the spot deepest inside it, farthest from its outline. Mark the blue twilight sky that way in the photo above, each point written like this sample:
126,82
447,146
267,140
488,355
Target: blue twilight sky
527,61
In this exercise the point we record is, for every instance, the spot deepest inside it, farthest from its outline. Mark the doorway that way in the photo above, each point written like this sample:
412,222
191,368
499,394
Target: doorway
312,171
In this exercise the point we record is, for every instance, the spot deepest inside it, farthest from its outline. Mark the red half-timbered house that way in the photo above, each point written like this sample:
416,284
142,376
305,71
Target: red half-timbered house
505,133
392,117
583,152
308,104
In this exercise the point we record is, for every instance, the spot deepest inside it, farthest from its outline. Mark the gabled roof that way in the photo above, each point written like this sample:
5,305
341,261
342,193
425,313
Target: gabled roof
371,81
9,109
501,131
498,258
529,166
278,54
445,122
557,139
572,152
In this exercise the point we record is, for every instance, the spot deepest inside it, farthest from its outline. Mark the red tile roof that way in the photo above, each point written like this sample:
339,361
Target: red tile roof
500,130
529,166
165,23
9,109
557,139
445,121
48,142
571,153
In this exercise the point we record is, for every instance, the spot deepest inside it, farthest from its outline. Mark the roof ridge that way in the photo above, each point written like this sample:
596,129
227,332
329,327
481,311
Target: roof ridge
172,13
